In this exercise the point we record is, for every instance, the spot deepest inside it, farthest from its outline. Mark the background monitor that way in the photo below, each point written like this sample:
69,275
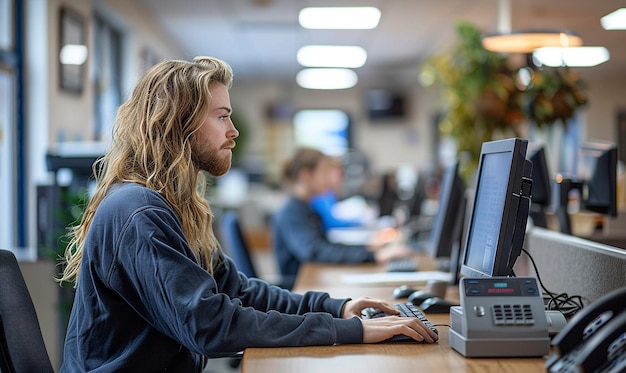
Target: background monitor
541,190
448,222
596,181
597,169
385,104
494,223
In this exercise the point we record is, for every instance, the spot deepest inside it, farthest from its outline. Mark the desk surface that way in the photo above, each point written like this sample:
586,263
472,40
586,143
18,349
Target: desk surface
399,357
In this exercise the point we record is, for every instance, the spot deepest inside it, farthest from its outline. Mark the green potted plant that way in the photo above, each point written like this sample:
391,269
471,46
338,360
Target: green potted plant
485,100
553,95
479,92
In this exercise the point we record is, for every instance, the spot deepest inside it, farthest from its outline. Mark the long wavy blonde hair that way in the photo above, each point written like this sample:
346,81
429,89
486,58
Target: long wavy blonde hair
152,146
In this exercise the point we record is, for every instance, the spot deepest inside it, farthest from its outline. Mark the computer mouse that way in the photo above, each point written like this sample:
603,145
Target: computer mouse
436,305
419,296
403,291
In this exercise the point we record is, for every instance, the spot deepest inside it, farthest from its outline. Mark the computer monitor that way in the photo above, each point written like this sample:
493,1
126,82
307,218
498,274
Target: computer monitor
498,219
597,168
596,181
541,195
448,222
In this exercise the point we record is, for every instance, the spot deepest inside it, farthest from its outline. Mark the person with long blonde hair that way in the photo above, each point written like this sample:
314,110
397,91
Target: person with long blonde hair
154,292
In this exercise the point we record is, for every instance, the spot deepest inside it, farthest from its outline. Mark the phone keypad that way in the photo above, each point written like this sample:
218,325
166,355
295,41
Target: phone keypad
513,314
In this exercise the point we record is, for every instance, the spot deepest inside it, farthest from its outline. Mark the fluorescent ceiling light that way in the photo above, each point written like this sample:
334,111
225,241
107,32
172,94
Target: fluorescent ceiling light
326,78
339,17
573,56
526,41
615,20
73,54
331,56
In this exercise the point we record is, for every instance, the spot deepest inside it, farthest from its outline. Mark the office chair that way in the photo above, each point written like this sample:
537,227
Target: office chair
235,243
22,347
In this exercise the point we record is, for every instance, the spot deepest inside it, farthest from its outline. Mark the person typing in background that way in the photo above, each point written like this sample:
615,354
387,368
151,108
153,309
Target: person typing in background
154,291
298,235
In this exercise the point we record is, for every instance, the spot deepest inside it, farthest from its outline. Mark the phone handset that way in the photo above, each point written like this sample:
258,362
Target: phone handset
596,336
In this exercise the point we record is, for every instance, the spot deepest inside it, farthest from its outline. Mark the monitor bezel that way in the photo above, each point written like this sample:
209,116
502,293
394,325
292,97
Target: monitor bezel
518,148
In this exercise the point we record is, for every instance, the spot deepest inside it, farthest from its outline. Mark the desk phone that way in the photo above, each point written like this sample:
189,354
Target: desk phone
499,317
594,340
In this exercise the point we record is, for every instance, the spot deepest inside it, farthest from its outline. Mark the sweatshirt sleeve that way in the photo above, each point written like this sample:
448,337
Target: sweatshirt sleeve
261,295
153,270
306,241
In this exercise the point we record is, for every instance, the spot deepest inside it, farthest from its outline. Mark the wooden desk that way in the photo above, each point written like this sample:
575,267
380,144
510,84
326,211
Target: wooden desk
404,357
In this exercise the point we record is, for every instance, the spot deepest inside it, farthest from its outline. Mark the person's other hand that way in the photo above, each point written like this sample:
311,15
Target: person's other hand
393,251
385,237
355,306
382,328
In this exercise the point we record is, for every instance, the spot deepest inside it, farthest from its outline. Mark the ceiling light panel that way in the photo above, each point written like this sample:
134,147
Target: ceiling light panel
615,20
332,56
339,18
572,56
326,78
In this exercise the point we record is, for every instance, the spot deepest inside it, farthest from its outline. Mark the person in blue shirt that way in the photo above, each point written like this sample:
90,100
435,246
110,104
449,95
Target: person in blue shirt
154,291
331,210
298,235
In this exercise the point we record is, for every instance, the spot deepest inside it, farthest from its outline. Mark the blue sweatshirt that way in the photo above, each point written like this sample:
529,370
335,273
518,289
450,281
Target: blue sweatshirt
299,237
143,303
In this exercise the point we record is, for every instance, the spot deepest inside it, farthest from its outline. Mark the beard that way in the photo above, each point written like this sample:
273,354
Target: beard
211,160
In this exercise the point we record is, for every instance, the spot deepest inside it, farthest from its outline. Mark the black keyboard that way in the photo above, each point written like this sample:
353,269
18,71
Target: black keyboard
402,265
407,309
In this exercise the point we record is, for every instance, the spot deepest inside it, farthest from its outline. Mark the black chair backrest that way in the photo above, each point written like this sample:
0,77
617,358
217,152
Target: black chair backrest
235,243
22,346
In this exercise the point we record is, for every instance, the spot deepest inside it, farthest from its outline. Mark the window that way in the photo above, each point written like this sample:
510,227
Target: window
325,130
6,24
11,175
7,159
107,77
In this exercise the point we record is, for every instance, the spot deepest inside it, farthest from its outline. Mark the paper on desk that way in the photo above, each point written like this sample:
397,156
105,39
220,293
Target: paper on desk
394,278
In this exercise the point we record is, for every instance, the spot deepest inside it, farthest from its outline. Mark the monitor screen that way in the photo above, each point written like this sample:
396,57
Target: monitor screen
447,226
491,229
384,104
597,170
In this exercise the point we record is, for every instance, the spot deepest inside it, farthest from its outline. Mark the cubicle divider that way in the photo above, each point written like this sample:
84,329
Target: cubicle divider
573,265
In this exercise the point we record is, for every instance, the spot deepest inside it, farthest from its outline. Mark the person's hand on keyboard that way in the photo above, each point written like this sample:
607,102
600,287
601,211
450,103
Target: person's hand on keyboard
355,307
383,328
378,329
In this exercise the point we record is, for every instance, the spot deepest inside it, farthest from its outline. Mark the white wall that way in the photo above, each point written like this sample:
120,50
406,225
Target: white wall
606,97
